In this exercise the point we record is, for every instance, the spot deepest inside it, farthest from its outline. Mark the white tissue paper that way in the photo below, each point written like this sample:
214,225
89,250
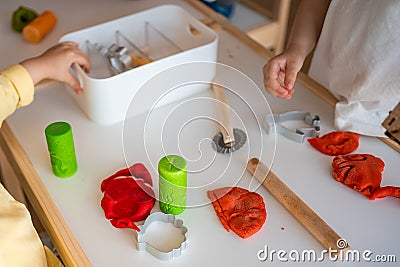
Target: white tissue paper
358,58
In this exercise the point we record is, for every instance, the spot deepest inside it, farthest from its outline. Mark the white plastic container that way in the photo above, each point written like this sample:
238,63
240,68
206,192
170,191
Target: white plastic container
106,99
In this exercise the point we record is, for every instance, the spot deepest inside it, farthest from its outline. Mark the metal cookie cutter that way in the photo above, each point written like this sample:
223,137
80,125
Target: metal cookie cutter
273,122
167,218
117,57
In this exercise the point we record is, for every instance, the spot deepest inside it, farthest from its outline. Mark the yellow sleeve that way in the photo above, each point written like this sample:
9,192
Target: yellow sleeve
16,90
20,244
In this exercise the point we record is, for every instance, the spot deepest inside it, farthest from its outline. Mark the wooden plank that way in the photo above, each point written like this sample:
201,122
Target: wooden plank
295,205
266,34
317,88
61,235
265,8
226,25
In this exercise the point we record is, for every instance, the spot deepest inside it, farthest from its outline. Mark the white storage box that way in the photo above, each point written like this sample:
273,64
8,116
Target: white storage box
169,35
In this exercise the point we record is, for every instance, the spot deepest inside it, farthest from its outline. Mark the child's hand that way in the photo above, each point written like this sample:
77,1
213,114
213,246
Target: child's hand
55,64
280,73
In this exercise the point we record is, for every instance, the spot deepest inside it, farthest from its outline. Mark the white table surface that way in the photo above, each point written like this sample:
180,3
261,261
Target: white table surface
101,150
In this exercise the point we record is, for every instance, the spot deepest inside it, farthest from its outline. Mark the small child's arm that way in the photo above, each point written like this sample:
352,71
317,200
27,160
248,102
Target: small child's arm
16,90
18,81
55,64
280,72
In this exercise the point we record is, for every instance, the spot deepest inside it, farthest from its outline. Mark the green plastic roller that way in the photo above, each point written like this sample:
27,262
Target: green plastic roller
172,184
61,148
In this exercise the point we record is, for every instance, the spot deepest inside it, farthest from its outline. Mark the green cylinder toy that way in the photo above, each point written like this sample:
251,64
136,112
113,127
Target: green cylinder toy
172,184
61,147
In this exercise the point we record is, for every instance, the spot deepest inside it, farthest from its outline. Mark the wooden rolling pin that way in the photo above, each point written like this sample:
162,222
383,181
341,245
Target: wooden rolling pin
224,115
303,213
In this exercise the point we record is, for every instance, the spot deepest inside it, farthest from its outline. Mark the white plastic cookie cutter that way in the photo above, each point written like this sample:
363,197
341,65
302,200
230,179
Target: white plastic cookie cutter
142,245
273,122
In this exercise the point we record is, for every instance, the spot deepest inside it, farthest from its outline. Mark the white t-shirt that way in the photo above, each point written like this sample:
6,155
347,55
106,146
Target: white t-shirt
358,58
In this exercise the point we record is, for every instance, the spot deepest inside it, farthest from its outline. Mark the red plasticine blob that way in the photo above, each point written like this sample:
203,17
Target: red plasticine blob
361,172
128,199
386,191
239,210
336,143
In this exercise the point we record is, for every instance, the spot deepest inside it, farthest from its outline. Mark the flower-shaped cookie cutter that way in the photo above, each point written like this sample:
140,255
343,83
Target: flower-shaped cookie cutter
273,122
167,218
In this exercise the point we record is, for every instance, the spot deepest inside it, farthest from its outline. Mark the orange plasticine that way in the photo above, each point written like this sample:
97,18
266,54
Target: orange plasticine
39,27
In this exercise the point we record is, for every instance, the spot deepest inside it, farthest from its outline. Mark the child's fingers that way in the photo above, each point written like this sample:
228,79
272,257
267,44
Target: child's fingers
274,79
74,84
274,88
83,61
279,91
79,57
286,94
69,43
271,78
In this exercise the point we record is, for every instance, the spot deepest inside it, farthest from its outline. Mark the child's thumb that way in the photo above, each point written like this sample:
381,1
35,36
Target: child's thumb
290,77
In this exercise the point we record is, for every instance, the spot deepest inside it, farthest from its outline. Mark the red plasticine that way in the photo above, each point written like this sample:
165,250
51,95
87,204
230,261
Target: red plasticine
386,191
239,210
361,172
127,199
137,170
336,143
